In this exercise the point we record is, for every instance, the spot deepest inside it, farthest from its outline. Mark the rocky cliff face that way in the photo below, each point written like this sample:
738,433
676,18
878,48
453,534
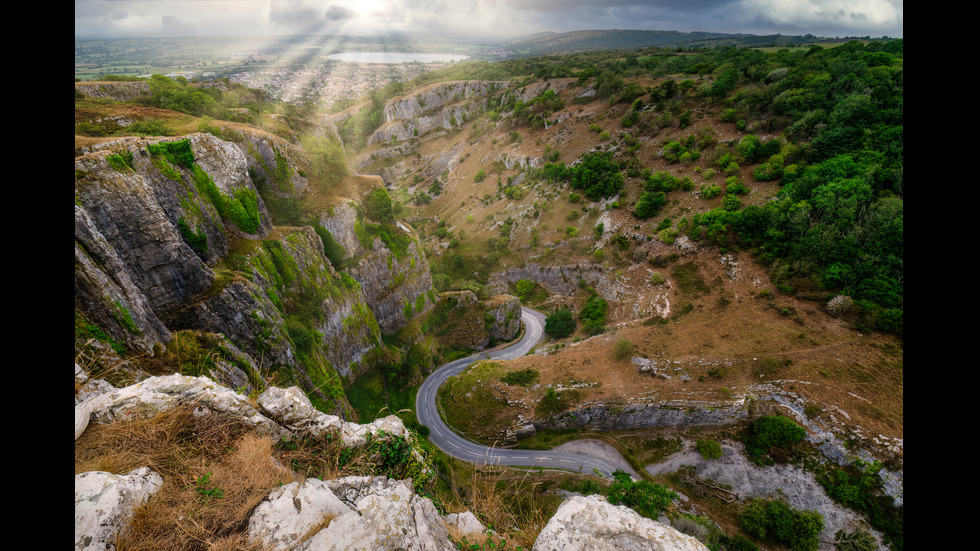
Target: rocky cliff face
391,269
118,91
174,234
462,321
442,105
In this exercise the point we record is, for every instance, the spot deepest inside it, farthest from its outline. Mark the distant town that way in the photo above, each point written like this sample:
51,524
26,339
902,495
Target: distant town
326,83
294,70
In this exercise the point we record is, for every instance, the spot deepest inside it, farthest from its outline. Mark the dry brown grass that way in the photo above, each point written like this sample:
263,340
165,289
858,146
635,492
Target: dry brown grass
513,504
215,471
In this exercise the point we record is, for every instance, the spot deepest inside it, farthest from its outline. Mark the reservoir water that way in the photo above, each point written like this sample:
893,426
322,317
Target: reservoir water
396,57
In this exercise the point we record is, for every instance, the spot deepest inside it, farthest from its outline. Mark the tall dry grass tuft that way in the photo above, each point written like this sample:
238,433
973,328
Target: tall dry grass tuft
215,471
508,502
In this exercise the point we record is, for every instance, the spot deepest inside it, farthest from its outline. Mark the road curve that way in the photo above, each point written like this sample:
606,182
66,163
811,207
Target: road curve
455,445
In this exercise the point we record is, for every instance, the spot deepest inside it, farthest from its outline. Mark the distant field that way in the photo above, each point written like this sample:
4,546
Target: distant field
806,46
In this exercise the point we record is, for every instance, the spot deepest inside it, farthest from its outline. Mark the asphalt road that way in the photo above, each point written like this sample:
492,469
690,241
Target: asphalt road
461,448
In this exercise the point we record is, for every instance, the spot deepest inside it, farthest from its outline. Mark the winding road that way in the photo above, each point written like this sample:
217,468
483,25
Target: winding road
456,446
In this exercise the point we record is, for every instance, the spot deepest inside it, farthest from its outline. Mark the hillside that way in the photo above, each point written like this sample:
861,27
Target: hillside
723,228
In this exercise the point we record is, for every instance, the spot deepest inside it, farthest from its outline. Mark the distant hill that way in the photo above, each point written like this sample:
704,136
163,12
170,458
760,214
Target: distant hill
581,41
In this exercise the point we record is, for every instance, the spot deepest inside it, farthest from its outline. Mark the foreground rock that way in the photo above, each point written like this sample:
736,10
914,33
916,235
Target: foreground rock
281,412
374,513
593,523
105,503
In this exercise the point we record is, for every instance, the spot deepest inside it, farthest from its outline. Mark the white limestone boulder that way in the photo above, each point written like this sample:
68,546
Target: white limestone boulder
291,408
161,394
105,504
466,523
292,511
366,513
594,524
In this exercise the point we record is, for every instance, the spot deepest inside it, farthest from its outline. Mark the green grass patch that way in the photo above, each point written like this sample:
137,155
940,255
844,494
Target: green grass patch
523,377
688,278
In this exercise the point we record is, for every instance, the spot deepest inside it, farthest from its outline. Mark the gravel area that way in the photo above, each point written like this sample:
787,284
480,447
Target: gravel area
796,486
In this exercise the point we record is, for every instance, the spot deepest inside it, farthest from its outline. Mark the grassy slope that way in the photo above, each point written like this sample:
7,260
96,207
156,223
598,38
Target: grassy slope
735,319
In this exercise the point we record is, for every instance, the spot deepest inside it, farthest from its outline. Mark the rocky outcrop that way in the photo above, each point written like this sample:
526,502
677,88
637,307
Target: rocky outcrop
112,90
105,504
604,417
375,507
503,314
279,412
557,280
461,320
369,513
441,105
394,276
593,523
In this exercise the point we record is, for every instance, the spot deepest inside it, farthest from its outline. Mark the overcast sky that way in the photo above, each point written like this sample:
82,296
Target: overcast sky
488,18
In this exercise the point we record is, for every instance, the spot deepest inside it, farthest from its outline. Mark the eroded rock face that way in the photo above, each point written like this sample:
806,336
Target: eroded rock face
464,321
117,91
557,280
395,286
606,418
105,504
593,523
438,106
148,237
135,214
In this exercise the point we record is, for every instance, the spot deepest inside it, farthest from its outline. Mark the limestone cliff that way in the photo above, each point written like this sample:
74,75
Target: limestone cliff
174,234
461,321
442,105
387,262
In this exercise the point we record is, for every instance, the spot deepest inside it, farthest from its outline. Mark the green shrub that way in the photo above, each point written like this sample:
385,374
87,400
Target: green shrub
334,251
649,205
775,522
766,433
522,377
598,175
524,289
710,191
646,498
709,449
560,324
196,239
299,334
178,152
377,206
593,315
121,161
623,349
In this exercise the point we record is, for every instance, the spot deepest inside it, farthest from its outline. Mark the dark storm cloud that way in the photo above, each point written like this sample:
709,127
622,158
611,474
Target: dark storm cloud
339,13
292,12
557,5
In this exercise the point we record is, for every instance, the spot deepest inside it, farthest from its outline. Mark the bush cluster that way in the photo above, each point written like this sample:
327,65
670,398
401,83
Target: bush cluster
768,432
776,522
